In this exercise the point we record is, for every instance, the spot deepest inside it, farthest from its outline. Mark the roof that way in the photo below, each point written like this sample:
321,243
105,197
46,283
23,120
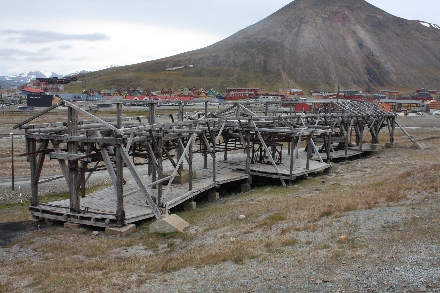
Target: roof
32,90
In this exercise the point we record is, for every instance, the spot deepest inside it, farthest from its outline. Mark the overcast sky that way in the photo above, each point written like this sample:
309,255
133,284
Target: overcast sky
68,36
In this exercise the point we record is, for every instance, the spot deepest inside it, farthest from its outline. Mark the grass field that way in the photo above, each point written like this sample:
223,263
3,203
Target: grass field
361,210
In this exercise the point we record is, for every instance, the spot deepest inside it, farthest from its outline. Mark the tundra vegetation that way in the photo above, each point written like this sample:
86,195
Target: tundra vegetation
351,229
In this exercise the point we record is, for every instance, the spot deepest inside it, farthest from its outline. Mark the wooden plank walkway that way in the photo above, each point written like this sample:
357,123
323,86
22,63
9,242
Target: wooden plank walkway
298,170
99,208
351,152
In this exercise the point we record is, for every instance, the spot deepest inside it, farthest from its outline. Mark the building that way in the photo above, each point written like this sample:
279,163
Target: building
253,91
422,96
290,92
408,106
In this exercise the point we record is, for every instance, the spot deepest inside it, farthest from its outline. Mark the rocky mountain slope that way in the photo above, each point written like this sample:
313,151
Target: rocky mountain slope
312,44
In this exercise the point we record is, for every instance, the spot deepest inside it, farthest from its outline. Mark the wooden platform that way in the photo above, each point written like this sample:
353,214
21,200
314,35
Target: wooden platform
299,168
341,154
99,208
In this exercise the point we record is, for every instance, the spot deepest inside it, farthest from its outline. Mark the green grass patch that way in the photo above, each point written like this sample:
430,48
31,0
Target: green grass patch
273,219
289,242
326,213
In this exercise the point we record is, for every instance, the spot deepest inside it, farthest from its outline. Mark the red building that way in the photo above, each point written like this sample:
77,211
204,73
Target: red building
253,91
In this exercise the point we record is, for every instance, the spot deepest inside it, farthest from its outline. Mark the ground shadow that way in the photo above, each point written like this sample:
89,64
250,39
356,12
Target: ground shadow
10,232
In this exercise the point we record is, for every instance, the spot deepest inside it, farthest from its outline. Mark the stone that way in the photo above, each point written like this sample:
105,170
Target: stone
241,217
245,187
179,179
71,225
122,231
390,145
376,147
213,196
35,221
189,205
169,224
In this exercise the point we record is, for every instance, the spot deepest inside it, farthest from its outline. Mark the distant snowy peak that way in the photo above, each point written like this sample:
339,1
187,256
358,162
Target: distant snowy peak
77,73
29,76
427,24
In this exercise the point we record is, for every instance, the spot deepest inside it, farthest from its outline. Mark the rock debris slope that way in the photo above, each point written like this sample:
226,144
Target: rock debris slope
320,44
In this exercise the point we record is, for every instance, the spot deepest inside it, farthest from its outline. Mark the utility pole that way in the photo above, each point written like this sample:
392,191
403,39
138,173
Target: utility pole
12,160
337,97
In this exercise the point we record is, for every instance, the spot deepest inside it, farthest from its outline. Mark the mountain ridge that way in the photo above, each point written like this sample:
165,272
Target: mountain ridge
315,43
308,44
28,76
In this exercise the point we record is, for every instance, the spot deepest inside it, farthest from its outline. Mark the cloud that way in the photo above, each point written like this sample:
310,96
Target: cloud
65,47
40,37
43,54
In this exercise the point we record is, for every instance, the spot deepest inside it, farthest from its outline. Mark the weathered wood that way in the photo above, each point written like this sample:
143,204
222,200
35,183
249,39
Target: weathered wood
72,149
115,141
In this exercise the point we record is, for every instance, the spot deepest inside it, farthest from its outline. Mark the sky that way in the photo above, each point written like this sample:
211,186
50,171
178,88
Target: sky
69,36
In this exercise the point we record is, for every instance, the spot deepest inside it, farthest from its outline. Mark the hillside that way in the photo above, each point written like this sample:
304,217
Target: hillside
309,44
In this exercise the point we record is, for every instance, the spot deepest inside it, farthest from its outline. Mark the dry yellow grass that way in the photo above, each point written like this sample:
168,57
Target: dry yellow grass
278,222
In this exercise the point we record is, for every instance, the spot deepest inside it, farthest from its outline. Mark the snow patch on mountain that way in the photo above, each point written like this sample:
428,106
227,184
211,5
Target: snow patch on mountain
29,76
427,24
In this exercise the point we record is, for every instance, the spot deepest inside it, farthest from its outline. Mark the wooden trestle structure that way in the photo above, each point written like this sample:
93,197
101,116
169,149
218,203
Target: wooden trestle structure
280,144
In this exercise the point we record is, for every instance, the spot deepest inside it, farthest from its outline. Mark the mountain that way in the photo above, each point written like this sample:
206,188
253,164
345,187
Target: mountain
5,85
29,76
312,44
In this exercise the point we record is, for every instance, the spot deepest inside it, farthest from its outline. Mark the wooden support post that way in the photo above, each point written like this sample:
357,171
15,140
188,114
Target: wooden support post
393,127
213,149
152,118
328,147
180,152
83,182
39,163
270,158
205,156
309,151
72,148
153,165
292,157
248,156
190,156
31,144
119,162
225,153
160,170
180,115
144,190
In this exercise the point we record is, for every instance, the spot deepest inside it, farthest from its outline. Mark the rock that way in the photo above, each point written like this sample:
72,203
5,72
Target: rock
241,217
